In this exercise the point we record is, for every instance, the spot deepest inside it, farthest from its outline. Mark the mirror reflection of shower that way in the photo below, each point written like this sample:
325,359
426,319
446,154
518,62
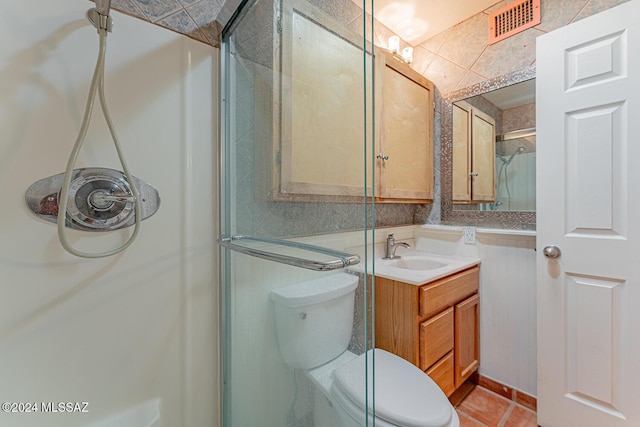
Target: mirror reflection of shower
504,169
515,185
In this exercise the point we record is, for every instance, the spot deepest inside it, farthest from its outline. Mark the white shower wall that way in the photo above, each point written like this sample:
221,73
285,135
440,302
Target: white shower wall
133,335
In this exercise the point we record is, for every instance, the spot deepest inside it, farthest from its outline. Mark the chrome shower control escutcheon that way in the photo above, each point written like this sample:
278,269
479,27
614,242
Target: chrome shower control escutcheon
100,199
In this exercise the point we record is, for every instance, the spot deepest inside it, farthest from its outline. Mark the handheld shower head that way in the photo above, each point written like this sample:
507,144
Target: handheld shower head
99,15
103,7
520,150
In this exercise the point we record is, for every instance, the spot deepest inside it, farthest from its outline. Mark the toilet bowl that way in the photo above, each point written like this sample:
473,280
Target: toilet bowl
314,320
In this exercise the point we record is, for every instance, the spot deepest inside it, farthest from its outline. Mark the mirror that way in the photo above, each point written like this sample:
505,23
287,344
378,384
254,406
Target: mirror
494,151
488,153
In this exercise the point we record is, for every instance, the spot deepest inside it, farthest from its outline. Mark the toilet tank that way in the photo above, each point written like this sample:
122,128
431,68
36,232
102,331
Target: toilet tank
314,319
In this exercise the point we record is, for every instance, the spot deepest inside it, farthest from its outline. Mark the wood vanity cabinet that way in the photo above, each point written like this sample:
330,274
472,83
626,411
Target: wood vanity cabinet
434,326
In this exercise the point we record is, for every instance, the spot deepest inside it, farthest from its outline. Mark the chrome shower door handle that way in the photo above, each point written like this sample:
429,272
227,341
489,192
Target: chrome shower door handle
552,252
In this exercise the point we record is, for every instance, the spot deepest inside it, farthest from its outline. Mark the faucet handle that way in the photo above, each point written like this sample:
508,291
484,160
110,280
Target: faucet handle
390,237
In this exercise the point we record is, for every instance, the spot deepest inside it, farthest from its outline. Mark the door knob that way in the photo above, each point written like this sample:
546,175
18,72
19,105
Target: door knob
552,252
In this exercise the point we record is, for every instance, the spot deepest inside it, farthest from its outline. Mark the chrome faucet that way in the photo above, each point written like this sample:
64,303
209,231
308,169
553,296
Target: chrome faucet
392,246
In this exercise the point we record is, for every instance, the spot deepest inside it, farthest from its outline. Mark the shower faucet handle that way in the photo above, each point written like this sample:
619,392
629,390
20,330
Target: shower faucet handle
100,197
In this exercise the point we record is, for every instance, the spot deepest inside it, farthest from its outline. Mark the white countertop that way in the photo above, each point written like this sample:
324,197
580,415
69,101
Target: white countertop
436,267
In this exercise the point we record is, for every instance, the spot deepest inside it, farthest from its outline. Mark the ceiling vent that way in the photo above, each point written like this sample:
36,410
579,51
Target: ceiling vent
513,18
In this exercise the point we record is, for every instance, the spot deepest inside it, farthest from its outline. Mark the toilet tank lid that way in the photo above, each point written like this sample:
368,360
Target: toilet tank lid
315,291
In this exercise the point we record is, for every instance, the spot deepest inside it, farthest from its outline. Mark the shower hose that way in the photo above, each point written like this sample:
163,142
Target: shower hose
97,85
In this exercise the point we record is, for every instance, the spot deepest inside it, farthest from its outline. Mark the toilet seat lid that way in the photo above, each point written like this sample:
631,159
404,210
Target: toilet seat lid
404,395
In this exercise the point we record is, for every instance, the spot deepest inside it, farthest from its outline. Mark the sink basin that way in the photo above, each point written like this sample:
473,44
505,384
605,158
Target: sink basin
415,263
415,267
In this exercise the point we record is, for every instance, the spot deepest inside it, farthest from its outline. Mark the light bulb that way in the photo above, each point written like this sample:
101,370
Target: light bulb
394,44
407,54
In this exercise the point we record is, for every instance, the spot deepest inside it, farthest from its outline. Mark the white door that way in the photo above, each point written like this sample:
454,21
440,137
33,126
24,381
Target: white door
588,189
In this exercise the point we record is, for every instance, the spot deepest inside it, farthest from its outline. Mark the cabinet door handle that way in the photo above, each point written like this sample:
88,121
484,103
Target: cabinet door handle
473,174
382,156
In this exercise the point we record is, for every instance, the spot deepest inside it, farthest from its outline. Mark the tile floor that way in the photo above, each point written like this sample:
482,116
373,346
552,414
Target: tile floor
484,408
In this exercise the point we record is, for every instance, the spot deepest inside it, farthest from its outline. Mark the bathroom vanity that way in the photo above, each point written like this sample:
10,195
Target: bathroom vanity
434,325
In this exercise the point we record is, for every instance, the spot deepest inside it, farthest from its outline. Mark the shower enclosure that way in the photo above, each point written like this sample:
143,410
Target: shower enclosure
515,171
297,123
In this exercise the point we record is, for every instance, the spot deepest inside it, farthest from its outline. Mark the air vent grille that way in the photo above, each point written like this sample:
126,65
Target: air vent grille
512,19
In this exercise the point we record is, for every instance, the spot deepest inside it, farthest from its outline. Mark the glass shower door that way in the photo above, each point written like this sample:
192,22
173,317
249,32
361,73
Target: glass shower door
297,154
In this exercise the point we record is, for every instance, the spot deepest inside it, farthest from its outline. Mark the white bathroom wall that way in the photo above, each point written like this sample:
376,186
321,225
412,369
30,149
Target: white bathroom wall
507,298
134,335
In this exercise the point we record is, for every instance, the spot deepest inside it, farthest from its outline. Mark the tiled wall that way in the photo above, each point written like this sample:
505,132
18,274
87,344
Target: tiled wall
455,59
461,56
194,18
201,19
517,118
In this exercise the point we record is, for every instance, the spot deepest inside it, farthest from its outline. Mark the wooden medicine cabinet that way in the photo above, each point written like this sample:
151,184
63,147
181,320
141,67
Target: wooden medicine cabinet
319,125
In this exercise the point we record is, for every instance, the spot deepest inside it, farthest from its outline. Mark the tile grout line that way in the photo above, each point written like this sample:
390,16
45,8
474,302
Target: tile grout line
506,415
469,417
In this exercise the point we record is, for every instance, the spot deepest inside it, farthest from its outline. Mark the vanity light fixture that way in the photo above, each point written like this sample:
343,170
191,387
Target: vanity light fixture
407,54
394,44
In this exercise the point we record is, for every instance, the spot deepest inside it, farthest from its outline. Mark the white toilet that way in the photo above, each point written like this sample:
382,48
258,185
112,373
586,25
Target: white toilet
314,321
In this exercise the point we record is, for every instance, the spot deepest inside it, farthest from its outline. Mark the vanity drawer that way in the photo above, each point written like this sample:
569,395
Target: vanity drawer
442,374
436,338
447,292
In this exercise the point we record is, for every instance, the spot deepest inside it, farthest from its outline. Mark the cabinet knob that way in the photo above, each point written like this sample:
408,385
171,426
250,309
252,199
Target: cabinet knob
382,156
473,174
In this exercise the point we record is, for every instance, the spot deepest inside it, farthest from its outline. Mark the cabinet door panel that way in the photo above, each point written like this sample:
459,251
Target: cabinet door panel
395,320
436,338
319,128
461,151
467,338
483,156
406,132
442,374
